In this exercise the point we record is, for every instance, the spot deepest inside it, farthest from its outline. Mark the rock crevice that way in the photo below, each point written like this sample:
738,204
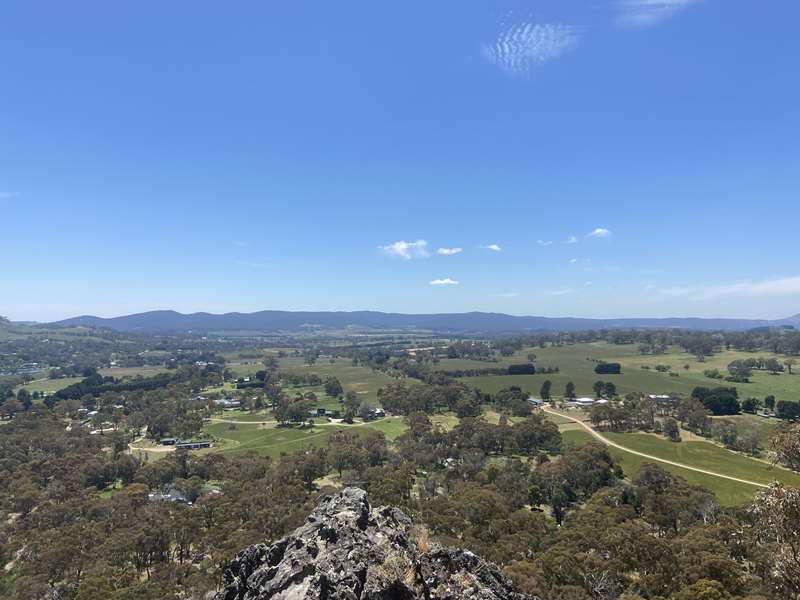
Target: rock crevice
347,550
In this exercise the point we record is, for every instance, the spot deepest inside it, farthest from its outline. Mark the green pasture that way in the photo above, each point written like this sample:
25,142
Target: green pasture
362,380
576,363
764,427
120,372
49,386
270,440
246,417
706,456
696,454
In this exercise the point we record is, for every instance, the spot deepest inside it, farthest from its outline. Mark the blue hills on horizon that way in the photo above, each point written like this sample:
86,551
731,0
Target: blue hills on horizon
169,321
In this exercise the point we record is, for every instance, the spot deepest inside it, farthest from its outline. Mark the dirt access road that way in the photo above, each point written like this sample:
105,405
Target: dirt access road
608,442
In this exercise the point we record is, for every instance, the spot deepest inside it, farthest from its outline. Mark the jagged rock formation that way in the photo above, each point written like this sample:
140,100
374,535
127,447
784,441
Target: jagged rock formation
347,550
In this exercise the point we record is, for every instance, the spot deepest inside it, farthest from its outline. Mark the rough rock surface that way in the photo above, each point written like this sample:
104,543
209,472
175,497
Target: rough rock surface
347,550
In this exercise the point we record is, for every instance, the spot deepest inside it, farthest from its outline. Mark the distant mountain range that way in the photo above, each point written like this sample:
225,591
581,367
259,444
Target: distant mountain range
168,321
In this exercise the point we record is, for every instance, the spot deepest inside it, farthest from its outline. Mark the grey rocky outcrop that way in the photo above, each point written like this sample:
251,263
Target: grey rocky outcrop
347,550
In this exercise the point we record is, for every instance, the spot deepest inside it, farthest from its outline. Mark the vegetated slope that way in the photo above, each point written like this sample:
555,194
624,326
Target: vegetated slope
166,321
349,550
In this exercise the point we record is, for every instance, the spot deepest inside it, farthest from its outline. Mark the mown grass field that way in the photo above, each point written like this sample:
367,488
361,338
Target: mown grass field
49,386
246,417
577,362
270,440
120,372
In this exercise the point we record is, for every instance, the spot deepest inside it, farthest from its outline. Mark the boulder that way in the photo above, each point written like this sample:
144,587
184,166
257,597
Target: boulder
347,550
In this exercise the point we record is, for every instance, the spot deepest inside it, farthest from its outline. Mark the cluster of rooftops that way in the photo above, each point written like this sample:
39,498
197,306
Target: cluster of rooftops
186,444
584,402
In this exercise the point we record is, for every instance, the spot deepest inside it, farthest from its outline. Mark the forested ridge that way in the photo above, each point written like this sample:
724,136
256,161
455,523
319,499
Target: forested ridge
561,522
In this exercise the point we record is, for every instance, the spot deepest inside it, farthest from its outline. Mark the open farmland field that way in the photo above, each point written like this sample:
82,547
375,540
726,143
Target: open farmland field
363,380
238,416
244,367
323,400
702,455
49,386
120,372
577,362
764,428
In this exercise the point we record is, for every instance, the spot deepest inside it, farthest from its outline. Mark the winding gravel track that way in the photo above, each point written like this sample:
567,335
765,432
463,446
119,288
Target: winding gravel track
608,442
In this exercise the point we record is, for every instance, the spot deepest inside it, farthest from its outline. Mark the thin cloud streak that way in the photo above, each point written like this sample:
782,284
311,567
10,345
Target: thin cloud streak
493,247
449,251
253,264
785,286
643,14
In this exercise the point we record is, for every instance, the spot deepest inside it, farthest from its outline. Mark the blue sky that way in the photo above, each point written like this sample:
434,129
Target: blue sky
598,159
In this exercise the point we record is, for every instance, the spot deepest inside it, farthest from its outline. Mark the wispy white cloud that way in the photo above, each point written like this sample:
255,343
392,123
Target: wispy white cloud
544,242
592,268
253,264
561,292
525,45
642,14
599,232
406,250
445,281
571,240
573,260
449,251
492,247
785,286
